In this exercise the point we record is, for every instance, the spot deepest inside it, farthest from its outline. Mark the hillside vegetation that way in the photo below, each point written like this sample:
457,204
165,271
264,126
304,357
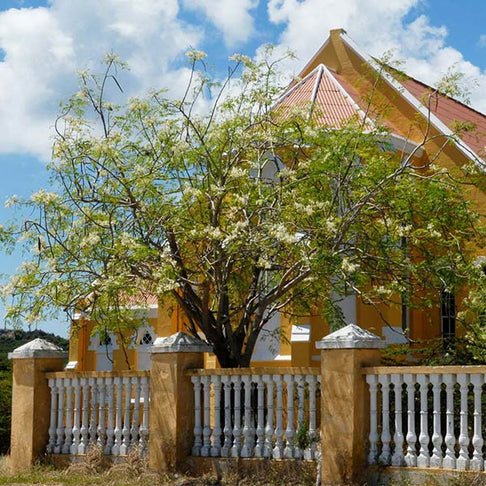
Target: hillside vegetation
10,340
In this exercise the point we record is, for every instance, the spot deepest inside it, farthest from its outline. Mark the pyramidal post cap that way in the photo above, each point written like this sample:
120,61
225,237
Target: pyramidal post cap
180,342
351,337
38,348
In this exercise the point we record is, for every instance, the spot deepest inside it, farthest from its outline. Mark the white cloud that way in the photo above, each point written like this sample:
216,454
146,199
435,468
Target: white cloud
482,40
232,17
377,27
44,46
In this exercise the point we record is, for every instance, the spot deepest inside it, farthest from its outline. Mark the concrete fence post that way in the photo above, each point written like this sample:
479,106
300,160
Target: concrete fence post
171,415
31,400
345,403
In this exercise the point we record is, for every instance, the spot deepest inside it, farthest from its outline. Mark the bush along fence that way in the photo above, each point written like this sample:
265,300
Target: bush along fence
183,416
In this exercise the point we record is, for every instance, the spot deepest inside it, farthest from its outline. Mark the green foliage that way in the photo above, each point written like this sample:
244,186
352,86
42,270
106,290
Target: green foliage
5,410
234,207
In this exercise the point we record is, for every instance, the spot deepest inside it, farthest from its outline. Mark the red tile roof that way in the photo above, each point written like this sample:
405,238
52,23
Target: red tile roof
334,102
325,97
450,111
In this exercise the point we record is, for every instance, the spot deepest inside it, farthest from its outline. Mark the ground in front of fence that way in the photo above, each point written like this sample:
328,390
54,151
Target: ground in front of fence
94,469
401,476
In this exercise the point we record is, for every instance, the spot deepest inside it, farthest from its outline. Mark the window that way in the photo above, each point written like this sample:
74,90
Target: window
447,314
144,339
103,343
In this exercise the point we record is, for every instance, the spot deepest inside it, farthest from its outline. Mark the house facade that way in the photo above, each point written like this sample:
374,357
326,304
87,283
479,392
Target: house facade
339,83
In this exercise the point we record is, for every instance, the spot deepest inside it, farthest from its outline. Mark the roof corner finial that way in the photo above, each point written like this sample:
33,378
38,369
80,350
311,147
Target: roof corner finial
337,32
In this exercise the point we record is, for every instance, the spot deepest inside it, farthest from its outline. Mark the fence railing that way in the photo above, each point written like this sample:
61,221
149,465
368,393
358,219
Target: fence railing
273,413
427,417
106,409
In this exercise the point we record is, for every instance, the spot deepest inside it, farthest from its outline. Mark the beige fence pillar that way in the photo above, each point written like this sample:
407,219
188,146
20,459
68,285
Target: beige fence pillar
171,417
345,403
31,400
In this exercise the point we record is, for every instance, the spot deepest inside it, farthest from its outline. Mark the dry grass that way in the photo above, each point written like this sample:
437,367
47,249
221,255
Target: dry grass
134,471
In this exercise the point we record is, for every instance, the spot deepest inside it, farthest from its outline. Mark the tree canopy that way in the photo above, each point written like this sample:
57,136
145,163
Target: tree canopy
234,210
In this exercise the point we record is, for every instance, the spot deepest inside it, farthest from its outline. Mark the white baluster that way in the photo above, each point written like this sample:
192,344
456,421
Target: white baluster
423,460
125,446
53,420
68,430
463,459
290,430
436,458
135,430
248,429
411,455
236,448
299,381
269,429
93,426
83,445
206,448
196,448
110,430
77,416
477,462
372,381
279,430
115,450
385,455
310,452
449,461
60,416
260,429
101,432
144,430
398,457
227,429
216,440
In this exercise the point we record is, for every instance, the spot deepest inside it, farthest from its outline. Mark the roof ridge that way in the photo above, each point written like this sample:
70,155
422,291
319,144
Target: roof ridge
292,87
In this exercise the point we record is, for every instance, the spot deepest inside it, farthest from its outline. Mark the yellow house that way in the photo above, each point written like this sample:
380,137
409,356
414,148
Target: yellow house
340,82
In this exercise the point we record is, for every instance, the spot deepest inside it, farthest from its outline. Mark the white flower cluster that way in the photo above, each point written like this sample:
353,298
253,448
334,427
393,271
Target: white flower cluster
306,209
166,285
433,232
127,240
238,230
404,230
348,267
237,173
90,240
382,291
282,234
44,197
331,227
191,191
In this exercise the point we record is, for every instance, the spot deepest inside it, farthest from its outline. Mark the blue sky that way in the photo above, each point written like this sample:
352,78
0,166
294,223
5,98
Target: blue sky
44,42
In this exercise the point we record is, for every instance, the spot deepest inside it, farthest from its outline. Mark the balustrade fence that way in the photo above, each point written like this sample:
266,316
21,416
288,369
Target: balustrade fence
272,413
105,409
427,417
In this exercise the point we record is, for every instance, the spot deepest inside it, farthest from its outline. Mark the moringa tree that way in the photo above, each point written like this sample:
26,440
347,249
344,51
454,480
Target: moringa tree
234,211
